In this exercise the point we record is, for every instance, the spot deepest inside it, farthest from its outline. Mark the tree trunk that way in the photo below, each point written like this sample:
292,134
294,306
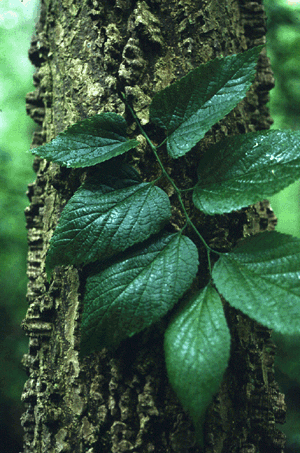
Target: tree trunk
86,53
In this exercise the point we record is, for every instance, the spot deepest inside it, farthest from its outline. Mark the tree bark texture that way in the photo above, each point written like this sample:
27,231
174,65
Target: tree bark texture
86,53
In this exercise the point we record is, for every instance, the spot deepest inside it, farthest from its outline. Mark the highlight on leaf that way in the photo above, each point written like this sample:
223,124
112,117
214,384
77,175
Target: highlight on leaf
189,107
241,170
197,348
130,293
261,277
89,142
110,212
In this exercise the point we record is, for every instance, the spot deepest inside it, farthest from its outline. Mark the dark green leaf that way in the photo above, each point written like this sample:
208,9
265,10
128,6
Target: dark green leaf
125,296
261,278
197,347
244,169
110,212
88,142
188,108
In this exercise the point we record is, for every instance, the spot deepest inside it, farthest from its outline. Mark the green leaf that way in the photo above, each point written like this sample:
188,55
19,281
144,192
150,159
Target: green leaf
261,278
110,212
88,142
188,108
125,296
244,169
197,348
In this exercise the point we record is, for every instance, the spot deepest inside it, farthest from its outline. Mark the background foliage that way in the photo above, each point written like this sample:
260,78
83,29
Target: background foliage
283,40
16,27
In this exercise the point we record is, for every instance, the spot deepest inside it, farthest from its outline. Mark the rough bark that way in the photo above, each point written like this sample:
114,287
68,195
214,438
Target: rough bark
85,53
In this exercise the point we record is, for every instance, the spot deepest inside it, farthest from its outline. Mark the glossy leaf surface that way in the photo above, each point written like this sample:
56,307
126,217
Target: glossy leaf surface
261,278
88,142
110,212
244,169
197,348
125,296
188,108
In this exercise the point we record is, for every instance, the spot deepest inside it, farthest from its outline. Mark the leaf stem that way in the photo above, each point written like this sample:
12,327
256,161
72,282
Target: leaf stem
187,190
178,191
147,138
162,142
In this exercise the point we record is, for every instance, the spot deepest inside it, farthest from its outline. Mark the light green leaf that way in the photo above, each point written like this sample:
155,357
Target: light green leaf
261,278
197,348
244,169
123,297
88,142
188,108
110,212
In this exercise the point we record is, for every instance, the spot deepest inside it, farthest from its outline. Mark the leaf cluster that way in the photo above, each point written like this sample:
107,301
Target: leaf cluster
140,269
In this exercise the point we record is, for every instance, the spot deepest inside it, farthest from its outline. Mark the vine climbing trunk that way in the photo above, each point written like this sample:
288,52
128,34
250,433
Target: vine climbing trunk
87,53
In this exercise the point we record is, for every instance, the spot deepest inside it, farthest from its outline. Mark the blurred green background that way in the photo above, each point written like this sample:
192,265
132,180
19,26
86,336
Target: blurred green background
283,40
17,19
283,43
